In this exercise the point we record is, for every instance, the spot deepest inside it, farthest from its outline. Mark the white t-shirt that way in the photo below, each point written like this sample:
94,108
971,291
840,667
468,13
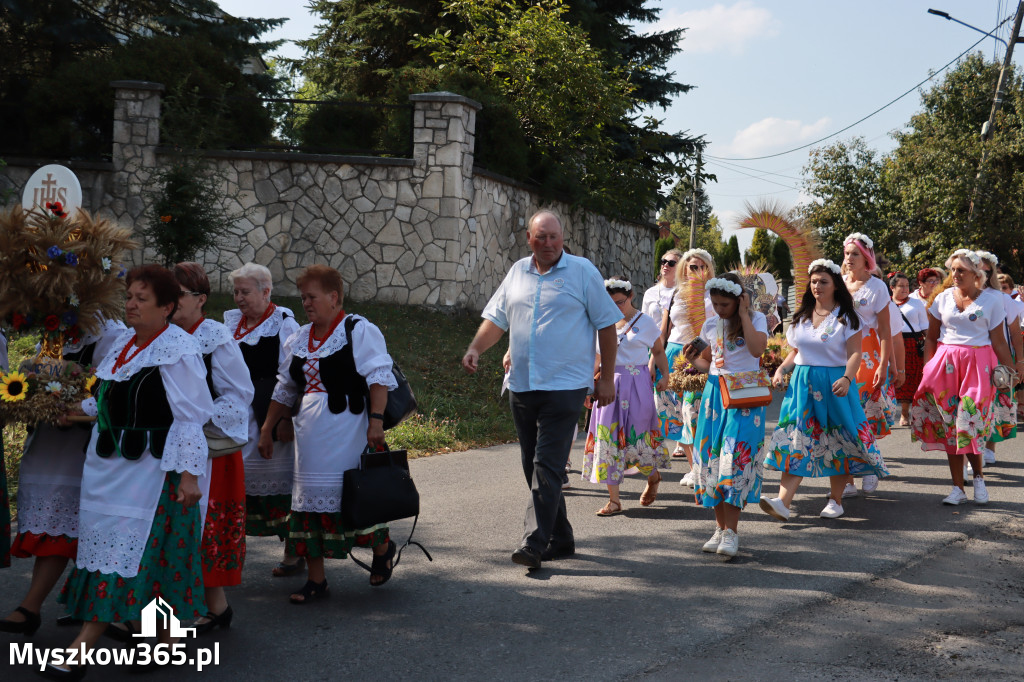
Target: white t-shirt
871,299
681,332
916,313
915,295
656,301
821,346
896,325
736,353
1014,308
971,326
635,345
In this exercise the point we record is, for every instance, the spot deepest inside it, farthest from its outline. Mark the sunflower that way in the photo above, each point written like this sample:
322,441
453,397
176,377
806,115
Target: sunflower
90,382
13,387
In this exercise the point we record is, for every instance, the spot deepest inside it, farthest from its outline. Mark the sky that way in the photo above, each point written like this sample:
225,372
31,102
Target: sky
773,75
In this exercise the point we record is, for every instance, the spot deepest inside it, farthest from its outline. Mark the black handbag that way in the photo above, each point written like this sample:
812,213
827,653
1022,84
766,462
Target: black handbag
401,401
379,491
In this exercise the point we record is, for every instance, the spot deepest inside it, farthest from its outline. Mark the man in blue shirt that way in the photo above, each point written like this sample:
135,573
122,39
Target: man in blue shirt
551,304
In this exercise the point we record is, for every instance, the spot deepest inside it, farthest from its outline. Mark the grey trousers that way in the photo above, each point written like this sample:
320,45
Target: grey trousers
545,421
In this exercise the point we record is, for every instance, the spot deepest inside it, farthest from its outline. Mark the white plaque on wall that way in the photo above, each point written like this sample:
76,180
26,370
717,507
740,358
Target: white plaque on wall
51,184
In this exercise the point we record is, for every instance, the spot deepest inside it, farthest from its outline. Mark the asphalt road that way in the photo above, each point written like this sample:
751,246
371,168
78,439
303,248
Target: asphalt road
899,588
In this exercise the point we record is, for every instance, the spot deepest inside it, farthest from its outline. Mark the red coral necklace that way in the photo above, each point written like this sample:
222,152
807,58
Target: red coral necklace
320,342
241,331
123,358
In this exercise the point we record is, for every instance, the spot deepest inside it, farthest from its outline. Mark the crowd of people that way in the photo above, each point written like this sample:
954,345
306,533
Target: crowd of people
143,502
145,506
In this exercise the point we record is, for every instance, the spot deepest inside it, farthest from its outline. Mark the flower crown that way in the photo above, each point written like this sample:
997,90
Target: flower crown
862,238
722,284
700,253
618,284
969,255
824,263
989,256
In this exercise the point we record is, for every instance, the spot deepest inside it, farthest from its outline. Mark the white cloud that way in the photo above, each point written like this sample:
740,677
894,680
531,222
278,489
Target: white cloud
720,28
771,134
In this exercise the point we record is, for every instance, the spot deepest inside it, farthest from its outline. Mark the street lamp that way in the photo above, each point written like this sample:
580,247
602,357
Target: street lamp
945,15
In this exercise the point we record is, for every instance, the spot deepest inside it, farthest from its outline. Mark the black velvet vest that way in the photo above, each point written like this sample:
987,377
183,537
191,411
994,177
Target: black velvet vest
133,414
208,361
345,387
261,359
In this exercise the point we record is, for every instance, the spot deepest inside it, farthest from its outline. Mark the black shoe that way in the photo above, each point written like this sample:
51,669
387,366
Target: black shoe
526,556
67,621
52,672
24,627
214,621
560,551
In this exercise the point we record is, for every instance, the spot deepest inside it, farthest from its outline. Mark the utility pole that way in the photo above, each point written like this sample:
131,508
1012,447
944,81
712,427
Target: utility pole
693,201
997,102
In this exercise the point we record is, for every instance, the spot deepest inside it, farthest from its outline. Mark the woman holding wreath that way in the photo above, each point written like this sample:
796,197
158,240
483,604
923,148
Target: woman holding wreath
822,429
139,522
340,387
261,329
952,408
730,442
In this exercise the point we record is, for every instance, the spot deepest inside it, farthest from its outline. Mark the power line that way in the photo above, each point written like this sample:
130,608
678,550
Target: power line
736,166
857,122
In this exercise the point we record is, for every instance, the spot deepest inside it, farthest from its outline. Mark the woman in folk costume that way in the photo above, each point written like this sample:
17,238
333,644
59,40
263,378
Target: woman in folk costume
261,329
730,442
139,523
678,413
822,429
953,406
1004,409
338,372
914,314
1016,309
871,301
227,378
624,436
927,280
49,486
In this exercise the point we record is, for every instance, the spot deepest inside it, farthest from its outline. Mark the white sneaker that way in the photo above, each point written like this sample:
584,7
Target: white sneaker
832,510
869,483
775,507
850,491
988,456
980,491
688,479
730,543
957,496
716,539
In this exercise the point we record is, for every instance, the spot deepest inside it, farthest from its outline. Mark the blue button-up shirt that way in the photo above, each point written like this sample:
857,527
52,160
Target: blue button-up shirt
551,320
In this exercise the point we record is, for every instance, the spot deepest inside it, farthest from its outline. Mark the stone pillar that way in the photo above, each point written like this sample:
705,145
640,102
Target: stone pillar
136,137
444,131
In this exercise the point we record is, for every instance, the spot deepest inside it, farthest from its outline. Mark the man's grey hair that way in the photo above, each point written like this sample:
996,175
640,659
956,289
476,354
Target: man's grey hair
543,211
255,271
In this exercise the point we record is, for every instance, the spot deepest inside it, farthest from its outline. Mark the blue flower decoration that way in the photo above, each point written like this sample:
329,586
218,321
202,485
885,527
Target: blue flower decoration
71,259
54,252
123,273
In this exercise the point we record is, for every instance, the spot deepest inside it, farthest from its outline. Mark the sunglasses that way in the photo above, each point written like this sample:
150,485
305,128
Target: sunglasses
670,263
183,293
694,267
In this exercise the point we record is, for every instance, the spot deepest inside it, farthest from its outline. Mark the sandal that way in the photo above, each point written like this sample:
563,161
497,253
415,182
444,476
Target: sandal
283,570
382,565
311,591
650,493
607,510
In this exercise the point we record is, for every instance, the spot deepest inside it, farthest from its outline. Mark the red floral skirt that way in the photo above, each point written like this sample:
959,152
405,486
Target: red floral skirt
223,545
39,544
316,535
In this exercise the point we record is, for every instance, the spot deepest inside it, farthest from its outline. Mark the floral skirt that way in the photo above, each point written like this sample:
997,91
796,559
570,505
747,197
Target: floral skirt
952,408
267,515
730,460
820,434
170,569
914,364
874,401
625,436
1004,416
223,543
315,535
5,511
677,413
39,544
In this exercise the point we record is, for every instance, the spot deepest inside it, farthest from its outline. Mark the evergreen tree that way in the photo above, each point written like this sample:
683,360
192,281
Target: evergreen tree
782,261
760,251
730,255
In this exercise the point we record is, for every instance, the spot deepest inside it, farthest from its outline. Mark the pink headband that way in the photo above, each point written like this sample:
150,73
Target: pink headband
867,253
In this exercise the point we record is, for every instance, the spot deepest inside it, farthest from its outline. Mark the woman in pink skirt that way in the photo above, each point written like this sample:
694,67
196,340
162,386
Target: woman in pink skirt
953,406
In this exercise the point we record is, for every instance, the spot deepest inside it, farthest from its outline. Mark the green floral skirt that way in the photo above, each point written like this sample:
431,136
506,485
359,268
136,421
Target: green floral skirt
315,535
267,515
171,568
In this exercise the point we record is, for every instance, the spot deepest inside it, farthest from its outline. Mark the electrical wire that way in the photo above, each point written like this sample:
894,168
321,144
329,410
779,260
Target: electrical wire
859,121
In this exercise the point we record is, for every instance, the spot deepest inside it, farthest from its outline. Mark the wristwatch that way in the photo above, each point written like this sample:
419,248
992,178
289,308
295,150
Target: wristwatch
376,415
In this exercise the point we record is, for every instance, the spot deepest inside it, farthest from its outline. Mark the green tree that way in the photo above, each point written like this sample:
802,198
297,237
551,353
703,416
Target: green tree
729,256
760,251
660,247
677,214
782,261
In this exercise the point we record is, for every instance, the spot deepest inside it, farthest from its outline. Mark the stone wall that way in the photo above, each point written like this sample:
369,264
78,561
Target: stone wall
430,230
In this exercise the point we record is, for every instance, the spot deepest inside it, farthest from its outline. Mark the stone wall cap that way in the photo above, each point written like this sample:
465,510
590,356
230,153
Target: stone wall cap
445,97
137,85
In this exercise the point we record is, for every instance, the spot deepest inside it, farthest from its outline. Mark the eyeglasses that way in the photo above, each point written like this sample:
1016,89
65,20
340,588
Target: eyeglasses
694,267
186,292
670,263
